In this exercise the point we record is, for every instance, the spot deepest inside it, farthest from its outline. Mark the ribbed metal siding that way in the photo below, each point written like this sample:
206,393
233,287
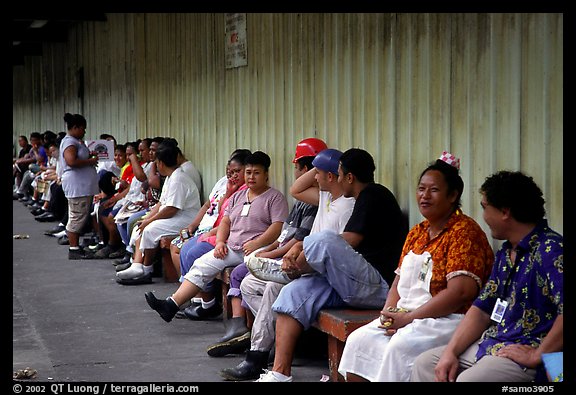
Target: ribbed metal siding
487,87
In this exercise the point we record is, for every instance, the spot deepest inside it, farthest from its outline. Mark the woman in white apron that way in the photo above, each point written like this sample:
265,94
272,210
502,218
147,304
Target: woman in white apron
444,263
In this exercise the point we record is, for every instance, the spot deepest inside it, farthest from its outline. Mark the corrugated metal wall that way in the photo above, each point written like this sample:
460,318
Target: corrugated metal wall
405,87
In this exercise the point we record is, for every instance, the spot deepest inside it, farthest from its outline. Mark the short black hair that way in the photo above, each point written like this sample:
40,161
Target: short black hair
74,120
360,163
305,161
516,191
167,153
259,158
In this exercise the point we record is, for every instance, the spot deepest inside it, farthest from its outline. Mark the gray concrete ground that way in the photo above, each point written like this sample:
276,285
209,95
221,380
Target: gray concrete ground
73,322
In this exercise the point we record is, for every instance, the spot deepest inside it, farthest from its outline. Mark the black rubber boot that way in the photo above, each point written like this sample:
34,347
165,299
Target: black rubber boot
249,369
235,341
166,308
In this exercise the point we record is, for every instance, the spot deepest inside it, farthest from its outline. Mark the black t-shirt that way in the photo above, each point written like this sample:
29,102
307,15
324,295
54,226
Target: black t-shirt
377,216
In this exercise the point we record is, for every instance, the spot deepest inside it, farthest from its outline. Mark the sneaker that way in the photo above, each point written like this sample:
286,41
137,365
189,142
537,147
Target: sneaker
63,241
267,269
125,259
79,254
270,376
136,269
60,234
52,232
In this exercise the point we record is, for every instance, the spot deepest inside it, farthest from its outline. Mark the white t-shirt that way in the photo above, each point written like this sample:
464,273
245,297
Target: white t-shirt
180,191
189,169
332,214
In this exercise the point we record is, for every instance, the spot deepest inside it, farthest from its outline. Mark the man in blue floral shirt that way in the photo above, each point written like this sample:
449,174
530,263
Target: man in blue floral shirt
518,315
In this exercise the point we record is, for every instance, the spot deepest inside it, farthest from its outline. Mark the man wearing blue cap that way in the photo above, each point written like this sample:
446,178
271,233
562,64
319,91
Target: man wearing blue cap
353,268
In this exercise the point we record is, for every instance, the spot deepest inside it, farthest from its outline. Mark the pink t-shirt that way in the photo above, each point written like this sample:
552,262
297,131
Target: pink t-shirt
247,223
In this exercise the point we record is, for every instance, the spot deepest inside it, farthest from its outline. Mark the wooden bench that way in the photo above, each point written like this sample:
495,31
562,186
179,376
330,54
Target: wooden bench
338,324
168,270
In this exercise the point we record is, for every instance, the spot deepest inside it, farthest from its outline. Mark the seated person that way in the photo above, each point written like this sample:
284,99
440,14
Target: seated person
445,261
339,269
179,204
518,316
252,220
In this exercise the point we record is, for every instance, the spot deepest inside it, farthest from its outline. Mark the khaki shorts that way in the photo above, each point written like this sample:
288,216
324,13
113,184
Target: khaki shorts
78,213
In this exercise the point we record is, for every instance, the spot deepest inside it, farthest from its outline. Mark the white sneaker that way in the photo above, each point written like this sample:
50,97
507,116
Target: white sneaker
135,270
267,269
60,234
270,376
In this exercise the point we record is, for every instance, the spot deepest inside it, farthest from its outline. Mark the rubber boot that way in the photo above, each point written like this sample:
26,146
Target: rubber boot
235,340
166,308
249,369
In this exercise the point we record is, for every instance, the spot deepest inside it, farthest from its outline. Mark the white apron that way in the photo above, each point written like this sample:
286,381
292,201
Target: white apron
371,354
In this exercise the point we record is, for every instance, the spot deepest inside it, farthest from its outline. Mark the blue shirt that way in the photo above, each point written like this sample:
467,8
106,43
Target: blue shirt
532,286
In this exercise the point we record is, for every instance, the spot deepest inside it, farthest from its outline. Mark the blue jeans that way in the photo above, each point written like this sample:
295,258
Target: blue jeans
342,277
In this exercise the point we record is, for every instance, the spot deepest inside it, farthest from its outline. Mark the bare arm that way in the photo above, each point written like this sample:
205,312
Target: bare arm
72,160
352,238
137,168
269,236
306,189
196,221
468,331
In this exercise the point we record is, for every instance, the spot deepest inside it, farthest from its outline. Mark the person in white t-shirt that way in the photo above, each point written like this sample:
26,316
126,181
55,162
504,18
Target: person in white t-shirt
179,203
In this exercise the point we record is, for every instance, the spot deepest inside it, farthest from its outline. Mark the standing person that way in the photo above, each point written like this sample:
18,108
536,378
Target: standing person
518,315
79,181
253,219
446,260
353,268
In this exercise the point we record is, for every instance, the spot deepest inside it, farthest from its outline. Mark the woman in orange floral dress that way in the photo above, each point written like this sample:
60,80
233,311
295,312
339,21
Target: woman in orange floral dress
445,261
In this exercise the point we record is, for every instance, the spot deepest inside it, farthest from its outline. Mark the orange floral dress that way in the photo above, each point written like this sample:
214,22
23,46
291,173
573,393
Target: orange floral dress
461,248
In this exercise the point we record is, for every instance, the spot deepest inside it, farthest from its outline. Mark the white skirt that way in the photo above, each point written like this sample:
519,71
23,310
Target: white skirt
371,354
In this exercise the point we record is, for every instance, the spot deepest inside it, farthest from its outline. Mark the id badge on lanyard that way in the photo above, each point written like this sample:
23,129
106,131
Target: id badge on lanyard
245,209
499,310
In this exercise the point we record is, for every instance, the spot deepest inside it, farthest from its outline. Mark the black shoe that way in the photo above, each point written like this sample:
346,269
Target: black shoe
79,254
199,313
249,369
46,217
143,279
63,241
37,211
123,266
166,308
124,260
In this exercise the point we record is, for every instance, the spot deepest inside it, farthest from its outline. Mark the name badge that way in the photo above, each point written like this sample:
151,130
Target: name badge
282,235
245,209
499,309
424,269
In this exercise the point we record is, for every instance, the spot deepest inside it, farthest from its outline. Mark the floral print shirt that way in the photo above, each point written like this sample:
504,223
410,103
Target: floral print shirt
461,248
532,286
